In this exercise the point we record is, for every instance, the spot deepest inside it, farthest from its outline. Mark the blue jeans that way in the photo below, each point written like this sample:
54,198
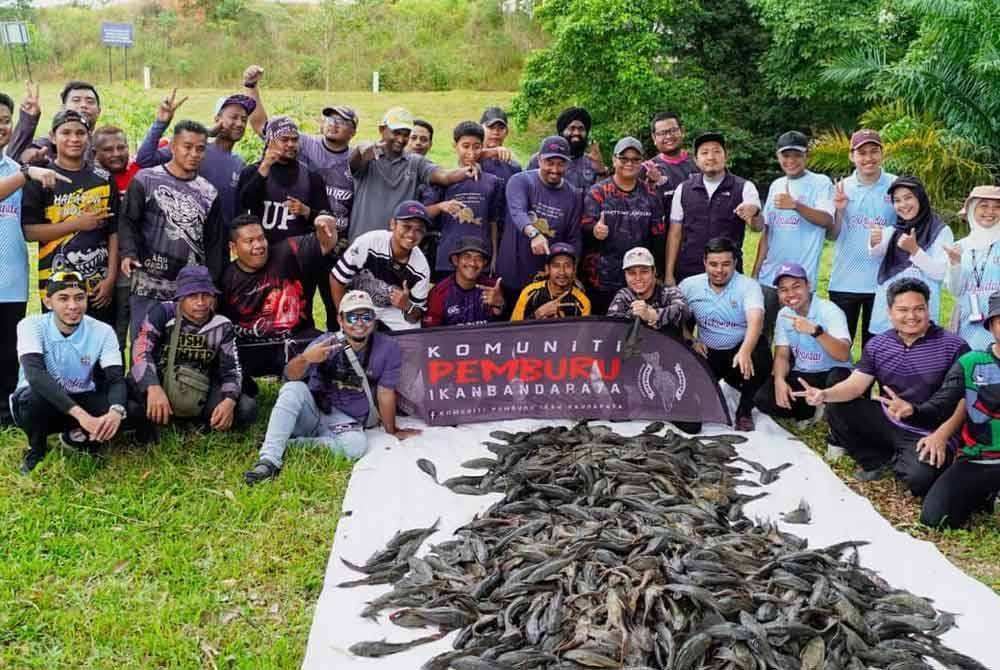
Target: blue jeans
296,419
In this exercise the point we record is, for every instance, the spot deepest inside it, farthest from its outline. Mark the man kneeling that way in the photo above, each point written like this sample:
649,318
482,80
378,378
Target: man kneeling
328,398
185,363
71,375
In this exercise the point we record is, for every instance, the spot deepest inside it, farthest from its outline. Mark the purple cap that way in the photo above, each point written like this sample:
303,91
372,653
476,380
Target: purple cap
194,279
561,249
865,136
554,146
245,101
411,209
343,111
280,126
790,270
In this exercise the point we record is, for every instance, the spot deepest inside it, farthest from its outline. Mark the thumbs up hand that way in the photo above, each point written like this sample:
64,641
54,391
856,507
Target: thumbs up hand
784,200
400,297
601,229
908,242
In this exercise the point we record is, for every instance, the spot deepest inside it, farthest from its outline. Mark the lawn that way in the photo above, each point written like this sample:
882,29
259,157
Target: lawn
161,557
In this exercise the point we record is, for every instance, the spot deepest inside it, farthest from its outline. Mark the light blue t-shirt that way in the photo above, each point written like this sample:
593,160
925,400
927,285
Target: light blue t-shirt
790,237
868,206
880,310
809,354
722,317
980,279
70,360
13,248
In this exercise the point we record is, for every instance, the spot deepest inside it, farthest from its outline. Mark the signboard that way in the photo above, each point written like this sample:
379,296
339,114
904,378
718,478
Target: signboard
14,32
565,369
117,34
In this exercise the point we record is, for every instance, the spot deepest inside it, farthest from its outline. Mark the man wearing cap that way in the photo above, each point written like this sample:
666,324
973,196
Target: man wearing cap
729,310
221,165
389,267
171,217
811,342
558,295
466,297
71,376
659,306
715,203
497,159
204,346
386,175
341,384
798,216
619,213
79,96
862,205
542,209
585,164
909,362
75,224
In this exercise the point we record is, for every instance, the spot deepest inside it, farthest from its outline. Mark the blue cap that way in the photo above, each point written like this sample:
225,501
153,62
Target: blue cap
554,146
194,279
411,209
561,249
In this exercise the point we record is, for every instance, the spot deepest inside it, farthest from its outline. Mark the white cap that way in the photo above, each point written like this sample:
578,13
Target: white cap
638,256
355,300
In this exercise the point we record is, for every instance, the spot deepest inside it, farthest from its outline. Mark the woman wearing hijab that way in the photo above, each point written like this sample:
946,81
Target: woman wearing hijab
914,247
974,265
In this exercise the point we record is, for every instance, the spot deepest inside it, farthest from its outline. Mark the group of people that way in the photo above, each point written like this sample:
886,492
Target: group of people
205,270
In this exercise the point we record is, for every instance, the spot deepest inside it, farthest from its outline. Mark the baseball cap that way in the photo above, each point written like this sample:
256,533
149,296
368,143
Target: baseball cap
245,101
63,280
69,116
397,118
790,270
411,209
194,279
865,136
470,243
709,137
627,143
280,126
554,146
343,111
561,249
356,300
793,140
493,115
638,256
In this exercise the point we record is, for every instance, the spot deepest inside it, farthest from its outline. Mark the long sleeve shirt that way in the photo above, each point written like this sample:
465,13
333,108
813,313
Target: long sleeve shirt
265,198
672,309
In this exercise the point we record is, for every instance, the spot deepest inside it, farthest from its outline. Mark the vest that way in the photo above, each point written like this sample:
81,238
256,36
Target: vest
705,219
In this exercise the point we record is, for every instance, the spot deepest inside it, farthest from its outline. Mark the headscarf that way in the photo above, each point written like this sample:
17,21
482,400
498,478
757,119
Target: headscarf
926,225
979,238
570,115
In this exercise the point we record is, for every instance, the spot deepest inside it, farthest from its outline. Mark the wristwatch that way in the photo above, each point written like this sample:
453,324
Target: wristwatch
533,232
120,409
25,170
818,331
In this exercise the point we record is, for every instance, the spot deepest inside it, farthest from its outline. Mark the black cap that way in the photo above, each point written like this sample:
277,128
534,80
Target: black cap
709,137
993,309
493,115
68,116
470,243
793,140
411,209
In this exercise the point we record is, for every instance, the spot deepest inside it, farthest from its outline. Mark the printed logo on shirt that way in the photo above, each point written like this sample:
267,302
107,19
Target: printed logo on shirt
184,217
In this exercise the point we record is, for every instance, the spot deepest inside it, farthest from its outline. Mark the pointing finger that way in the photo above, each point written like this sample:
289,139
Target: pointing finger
62,178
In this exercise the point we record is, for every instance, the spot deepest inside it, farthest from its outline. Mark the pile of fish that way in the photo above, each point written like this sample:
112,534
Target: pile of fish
633,552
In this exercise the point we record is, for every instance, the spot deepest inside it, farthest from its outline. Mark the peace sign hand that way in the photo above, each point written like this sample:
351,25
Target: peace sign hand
169,106
30,104
840,198
895,406
594,154
812,395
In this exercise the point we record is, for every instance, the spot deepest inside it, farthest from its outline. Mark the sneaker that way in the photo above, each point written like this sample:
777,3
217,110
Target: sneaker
32,457
262,471
74,439
873,475
817,417
744,424
834,453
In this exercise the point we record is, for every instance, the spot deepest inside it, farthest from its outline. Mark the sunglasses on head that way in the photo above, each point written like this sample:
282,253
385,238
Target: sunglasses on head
362,317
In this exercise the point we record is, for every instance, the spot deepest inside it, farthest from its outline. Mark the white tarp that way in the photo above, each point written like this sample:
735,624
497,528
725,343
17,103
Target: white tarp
388,493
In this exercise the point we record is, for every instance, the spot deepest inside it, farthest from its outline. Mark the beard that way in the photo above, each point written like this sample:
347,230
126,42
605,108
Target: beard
577,146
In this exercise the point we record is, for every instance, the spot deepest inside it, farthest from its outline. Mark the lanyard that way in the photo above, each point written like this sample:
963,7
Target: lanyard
978,272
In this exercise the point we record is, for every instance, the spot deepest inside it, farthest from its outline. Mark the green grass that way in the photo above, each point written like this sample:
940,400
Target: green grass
162,557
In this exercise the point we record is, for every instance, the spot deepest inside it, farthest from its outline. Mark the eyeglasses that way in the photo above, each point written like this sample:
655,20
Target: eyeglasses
362,317
336,121
669,132
628,161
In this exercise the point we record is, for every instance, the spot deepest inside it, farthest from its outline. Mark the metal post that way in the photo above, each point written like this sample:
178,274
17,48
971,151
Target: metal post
13,63
109,66
125,56
27,65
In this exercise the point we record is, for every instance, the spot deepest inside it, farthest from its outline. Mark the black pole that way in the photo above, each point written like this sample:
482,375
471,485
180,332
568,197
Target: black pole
13,63
27,65
125,56
110,78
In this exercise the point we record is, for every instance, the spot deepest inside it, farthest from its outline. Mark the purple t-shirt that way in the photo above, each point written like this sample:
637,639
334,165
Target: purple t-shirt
579,172
335,385
555,212
451,305
482,201
334,168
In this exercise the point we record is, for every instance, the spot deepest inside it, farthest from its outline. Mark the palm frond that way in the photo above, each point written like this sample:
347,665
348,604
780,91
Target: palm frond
956,10
855,69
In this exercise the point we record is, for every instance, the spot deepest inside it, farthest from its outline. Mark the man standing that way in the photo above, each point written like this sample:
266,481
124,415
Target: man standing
585,165
75,224
421,138
497,159
863,205
78,96
221,166
466,297
729,309
619,213
340,385
715,203
811,342
386,175
798,216
171,217
558,296
71,375
388,266
671,167
909,362
542,209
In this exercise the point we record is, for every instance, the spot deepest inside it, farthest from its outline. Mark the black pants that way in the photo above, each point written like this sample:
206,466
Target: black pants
801,410
268,359
244,414
862,428
39,418
855,306
721,362
10,314
323,288
599,300
122,293
771,307
961,490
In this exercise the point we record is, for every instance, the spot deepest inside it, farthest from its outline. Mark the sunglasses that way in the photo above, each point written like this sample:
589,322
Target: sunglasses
359,317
